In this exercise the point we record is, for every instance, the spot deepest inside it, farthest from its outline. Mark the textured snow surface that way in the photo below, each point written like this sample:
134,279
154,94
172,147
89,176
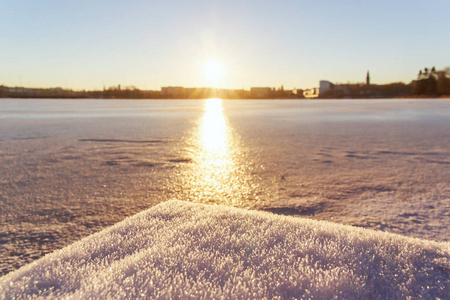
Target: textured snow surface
184,250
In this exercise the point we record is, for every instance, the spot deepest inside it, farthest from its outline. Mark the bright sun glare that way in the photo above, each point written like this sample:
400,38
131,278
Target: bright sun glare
214,71
214,129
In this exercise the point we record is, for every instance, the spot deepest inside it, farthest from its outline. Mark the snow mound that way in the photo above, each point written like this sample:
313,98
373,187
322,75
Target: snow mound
184,250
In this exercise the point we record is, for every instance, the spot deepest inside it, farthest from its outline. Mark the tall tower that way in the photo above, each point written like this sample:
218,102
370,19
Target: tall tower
368,78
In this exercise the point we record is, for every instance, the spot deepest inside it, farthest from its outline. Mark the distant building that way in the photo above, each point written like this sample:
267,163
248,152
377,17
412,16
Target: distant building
173,92
311,93
366,90
22,92
3,91
233,94
200,93
298,93
432,83
260,92
325,86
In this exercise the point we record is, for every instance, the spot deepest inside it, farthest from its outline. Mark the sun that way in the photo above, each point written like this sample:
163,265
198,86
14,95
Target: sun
214,71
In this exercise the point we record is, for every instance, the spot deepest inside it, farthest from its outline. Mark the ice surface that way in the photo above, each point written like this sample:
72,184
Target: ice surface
72,168
185,250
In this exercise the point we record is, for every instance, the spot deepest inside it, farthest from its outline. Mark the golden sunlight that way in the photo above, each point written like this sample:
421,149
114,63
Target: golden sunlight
214,128
216,175
214,71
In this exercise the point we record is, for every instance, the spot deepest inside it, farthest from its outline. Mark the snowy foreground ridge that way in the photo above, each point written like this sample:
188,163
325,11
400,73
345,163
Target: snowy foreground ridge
184,250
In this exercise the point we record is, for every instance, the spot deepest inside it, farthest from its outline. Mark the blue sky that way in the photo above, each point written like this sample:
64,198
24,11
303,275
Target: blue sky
90,44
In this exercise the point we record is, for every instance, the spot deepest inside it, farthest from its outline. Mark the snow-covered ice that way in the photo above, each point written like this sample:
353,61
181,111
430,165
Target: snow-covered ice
72,168
184,250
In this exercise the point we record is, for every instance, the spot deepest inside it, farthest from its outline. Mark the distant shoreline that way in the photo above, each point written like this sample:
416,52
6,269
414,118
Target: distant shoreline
250,99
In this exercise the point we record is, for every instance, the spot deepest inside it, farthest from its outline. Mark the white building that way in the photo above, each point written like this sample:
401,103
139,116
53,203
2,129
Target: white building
324,86
311,93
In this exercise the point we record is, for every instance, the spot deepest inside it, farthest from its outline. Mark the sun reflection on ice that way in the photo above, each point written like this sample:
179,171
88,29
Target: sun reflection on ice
218,174
214,160
214,133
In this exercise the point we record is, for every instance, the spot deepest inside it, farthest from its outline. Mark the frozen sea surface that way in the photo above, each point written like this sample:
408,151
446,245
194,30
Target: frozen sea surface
72,168
182,250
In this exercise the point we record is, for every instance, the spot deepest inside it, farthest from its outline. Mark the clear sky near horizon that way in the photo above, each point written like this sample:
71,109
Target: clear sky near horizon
89,44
